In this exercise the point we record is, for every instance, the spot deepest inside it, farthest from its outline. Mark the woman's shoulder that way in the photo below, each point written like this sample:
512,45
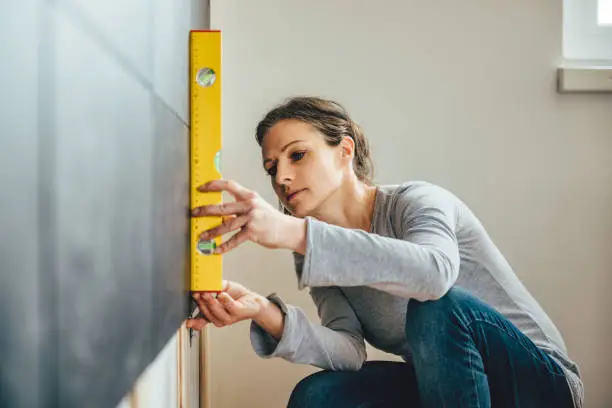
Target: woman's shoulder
410,198
413,191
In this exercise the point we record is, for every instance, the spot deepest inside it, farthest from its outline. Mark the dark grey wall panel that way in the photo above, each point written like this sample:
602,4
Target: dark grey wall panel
170,29
103,246
200,14
170,223
20,321
123,26
171,22
94,167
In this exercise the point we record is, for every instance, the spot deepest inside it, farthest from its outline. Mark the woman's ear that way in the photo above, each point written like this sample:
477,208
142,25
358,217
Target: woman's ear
347,146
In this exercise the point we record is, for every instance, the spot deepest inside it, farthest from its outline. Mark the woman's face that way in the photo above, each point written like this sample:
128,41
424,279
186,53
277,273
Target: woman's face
304,170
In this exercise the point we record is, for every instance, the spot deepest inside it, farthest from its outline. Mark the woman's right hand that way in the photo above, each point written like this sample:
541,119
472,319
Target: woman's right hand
235,303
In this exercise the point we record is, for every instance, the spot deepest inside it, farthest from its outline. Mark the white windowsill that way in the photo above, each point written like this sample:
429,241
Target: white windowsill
584,76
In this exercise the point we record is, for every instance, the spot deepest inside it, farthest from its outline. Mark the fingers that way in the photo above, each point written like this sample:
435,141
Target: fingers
230,186
226,285
223,209
209,316
225,227
196,324
233,242
228,304
199,298
213,310
233,289
203,305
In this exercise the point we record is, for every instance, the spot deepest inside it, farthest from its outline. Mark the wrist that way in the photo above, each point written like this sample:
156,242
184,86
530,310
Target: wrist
270,318
263,307
295,237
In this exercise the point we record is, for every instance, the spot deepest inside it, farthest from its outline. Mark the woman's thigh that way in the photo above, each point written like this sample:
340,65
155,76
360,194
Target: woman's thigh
379,384
464,351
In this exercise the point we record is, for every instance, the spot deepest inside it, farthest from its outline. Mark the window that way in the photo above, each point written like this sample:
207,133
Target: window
587,30
604,12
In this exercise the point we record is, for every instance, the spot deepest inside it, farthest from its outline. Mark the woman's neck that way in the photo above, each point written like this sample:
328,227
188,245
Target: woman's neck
352,206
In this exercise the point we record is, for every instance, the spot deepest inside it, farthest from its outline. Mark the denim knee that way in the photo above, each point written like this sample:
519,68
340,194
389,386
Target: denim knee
420,313
431,321
312,391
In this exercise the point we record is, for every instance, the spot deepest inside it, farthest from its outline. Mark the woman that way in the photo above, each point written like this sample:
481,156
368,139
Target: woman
409,268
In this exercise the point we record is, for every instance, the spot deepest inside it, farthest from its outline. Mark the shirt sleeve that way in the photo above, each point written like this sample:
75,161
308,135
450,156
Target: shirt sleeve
421,261
335,344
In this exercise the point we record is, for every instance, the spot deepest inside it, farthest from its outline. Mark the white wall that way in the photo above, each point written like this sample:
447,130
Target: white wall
172,379
457,93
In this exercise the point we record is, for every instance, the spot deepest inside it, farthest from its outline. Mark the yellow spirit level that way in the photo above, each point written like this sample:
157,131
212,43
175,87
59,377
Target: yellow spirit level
205,155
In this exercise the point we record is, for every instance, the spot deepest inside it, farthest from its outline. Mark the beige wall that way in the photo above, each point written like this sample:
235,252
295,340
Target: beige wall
457,93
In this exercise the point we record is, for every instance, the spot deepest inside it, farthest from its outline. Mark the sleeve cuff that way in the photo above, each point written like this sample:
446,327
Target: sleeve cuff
263,343
312,229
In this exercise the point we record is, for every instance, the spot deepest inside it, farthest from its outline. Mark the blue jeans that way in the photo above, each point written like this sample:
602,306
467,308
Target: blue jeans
465,354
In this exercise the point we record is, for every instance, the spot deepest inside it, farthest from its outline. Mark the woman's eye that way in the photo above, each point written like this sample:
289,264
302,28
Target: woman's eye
271,171
297,156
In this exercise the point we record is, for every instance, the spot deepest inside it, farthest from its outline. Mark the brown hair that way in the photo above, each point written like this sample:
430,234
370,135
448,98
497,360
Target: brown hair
329,118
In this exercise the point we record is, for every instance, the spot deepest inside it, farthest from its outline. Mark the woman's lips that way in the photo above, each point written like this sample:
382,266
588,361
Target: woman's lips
292,196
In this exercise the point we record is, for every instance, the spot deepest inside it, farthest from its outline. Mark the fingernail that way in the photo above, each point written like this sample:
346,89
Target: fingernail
202,187
195,211
204,235
196,296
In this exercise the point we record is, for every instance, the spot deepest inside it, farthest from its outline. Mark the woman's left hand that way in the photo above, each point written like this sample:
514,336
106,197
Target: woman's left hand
256,219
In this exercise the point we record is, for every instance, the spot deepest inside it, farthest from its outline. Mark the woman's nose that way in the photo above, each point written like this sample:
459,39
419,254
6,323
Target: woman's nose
284,175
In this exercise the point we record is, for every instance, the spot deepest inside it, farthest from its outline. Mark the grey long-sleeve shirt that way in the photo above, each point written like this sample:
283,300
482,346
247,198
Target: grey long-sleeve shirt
423,241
